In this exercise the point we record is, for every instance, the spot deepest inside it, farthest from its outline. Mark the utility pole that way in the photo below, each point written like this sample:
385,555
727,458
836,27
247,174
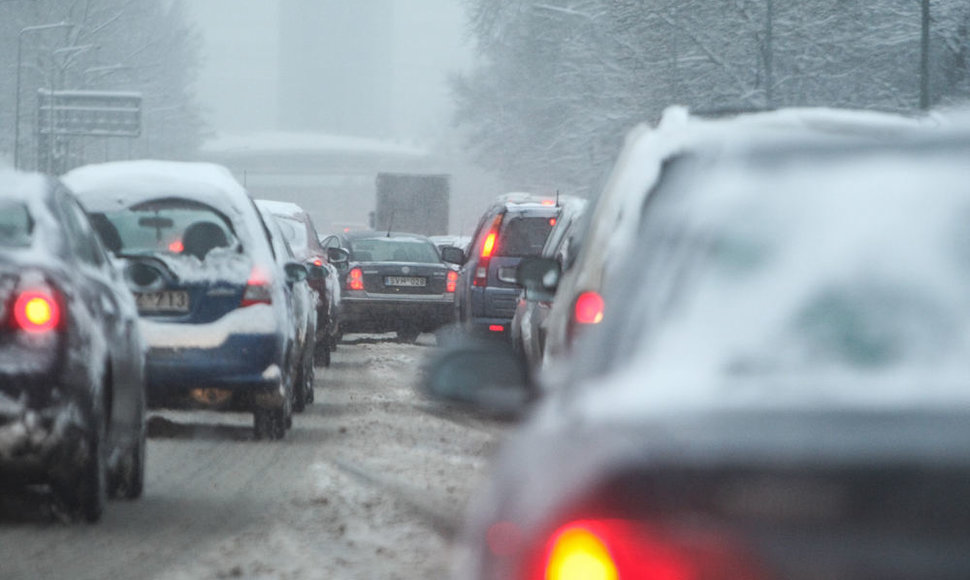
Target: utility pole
924,65
769,53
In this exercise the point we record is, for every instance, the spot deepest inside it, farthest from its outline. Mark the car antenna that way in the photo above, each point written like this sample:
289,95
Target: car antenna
390,223
557,197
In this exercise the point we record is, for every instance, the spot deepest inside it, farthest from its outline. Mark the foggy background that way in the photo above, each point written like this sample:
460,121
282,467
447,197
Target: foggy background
376,70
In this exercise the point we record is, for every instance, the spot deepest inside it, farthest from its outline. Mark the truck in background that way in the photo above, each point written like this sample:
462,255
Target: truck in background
416,203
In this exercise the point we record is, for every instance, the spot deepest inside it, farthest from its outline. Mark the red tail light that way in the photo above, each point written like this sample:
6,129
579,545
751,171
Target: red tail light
317,262
485,253
176,247
489,246
622,550
257,289
452,281
37,311
589,308
496,328
355,279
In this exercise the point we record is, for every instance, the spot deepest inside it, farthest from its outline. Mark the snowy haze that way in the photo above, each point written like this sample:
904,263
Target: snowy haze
241,71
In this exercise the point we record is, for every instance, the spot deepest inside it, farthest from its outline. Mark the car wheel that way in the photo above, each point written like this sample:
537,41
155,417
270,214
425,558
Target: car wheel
322,352
269,423
408,334
84,494
128,482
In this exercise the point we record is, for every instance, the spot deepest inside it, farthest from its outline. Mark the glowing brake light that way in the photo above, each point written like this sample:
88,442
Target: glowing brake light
176,247
576,553
615,549
257,289
589,308
489,246
36,311
552,221
355,279
317,262
548,202
451,281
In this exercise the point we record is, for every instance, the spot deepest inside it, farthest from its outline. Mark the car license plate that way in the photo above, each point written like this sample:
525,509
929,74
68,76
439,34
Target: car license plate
167,301
411,281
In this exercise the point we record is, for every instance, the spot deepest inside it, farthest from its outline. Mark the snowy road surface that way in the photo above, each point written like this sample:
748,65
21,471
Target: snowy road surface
370,484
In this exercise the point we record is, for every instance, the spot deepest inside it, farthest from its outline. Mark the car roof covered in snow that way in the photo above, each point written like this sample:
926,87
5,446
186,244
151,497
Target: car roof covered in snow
33,191
282,208
116,185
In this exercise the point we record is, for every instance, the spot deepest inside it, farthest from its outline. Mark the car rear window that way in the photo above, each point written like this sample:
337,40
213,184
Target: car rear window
16,225
393,250
166,226
523,236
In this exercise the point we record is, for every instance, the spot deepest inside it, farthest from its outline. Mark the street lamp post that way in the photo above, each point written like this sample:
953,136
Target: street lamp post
16,116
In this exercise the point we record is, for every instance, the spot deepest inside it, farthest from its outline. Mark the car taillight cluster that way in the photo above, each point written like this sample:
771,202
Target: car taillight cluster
613,549
451,282
37,310
485,253
589,308
257,289
355,279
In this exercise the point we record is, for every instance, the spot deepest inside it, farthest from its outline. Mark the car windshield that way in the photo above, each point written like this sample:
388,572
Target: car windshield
393,250
175,227
16,225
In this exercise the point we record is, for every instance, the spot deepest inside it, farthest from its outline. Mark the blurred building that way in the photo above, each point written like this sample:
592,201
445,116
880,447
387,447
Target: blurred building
336,61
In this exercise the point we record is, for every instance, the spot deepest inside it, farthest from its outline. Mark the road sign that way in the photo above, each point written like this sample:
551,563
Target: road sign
89,113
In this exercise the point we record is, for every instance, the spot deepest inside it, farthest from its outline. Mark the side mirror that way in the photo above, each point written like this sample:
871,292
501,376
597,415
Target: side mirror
539,276
315,272
452,255
486,375
295,272
338,256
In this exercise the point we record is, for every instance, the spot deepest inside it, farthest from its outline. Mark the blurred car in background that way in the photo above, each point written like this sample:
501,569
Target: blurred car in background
641,167
783,395
324,277
213,301
444,241
396,282
304,301
514,226
528,328
72,393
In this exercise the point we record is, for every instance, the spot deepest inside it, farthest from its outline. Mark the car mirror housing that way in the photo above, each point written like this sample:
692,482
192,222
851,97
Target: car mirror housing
452,255
539,276
338,255
485,375
315,272
295,272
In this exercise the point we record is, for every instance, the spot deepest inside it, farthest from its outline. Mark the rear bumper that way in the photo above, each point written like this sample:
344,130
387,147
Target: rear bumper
247,366
386,313
40,440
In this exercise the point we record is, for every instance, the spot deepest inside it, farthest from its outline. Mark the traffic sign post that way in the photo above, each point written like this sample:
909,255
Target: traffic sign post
83,114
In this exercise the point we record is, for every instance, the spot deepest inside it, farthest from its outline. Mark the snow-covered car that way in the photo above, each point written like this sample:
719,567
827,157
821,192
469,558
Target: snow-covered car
72,393
212,299
395,282
302,236
785,395
640,168
304,307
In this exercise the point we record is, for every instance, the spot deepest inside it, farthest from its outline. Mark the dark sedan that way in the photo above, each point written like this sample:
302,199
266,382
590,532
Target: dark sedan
784,395
72,399
396,283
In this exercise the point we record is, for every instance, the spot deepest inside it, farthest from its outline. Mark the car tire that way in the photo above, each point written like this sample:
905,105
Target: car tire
85,494
128,481
303,393
269,423
322,352
408,335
